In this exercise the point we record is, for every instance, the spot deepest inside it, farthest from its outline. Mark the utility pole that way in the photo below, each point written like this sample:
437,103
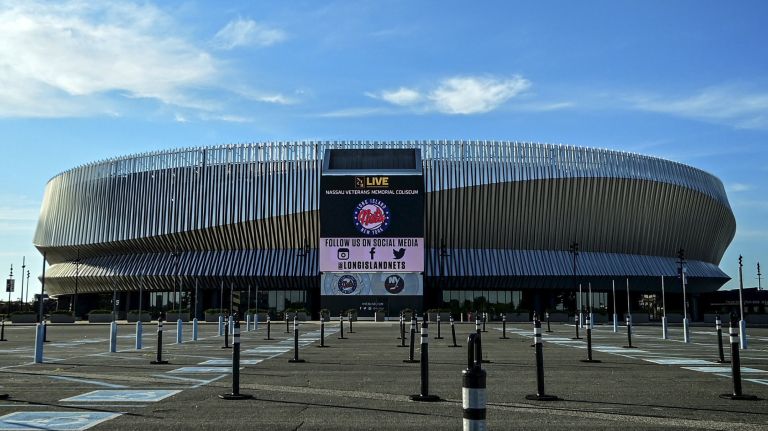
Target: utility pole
681,262
742,323
759,278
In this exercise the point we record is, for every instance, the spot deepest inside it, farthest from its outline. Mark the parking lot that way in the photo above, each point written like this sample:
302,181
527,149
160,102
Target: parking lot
362,382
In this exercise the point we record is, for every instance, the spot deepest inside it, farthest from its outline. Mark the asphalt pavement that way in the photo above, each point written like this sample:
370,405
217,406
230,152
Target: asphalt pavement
361,382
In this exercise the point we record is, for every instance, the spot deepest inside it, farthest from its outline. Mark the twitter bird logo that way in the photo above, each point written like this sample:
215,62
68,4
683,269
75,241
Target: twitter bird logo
398,253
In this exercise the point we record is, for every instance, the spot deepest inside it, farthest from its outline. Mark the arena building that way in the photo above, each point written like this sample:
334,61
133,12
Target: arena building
476,225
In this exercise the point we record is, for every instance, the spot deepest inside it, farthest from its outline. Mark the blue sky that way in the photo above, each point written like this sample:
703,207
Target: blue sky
82,81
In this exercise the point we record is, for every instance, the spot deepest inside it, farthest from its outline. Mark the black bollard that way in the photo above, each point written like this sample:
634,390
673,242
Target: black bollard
159,357
473,390
341,325
227,320
540,394
410,359
269,329
629,334
589,342
424,393
504,327
236,395
736,365
45,332
485,318
2,330
549,328
349,317
576,321
439,336
400,335
453,334
402,332
295,343
719,327
287,329
477,325
322,331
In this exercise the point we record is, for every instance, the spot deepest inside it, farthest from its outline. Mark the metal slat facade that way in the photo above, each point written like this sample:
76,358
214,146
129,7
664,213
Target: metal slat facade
506,211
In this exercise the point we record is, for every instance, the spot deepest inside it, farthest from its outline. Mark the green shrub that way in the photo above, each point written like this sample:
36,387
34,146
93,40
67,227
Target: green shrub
215,311
61,312
100,312
23,313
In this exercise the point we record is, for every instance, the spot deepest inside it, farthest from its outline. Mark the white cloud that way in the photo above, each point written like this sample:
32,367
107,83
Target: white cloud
734,106
402,96
472,95
73,58
246,32
461,95
738,187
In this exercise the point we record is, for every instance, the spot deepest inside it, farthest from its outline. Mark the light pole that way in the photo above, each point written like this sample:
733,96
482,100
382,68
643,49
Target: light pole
615,316
686,333
24,266
77,277
664,332
9,288
443,255
629,307
42,288
575,252
759,278
26,298
742,323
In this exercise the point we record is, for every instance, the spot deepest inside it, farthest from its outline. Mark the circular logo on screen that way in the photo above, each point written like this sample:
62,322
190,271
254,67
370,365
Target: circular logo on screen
371,217
394,284
347,284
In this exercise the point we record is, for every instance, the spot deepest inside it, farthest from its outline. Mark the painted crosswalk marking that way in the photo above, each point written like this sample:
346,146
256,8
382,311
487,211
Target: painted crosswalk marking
54,421
124,395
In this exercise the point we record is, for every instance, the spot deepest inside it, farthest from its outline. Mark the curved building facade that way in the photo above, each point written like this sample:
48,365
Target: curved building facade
498,217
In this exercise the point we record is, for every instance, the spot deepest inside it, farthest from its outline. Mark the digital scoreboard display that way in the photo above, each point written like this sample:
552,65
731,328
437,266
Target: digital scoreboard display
371,240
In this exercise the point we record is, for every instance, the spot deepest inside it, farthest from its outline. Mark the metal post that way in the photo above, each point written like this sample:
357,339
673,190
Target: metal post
629,333
322,331
719,329
295,343
194,329
341,326
159,358
402,331
485,318
549,328
581,308
411,359
39,343
221,324
2,330
439,336
686,332
179,331
424,393
540,394
589,341
269,327
664,330
473,393
350,323
42,290
504,327
576,323
453,334
113,337
736,365
615,316
235,394
742,322
226,333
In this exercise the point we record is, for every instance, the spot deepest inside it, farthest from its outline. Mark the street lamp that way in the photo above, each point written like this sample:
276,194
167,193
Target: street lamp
26,298
77,277
682,269
9,288
443,254
759,278
24,266
575,253
664,331
742,323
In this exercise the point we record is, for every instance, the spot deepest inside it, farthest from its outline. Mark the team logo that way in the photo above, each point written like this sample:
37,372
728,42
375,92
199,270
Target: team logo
394,284
347,284
371,217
